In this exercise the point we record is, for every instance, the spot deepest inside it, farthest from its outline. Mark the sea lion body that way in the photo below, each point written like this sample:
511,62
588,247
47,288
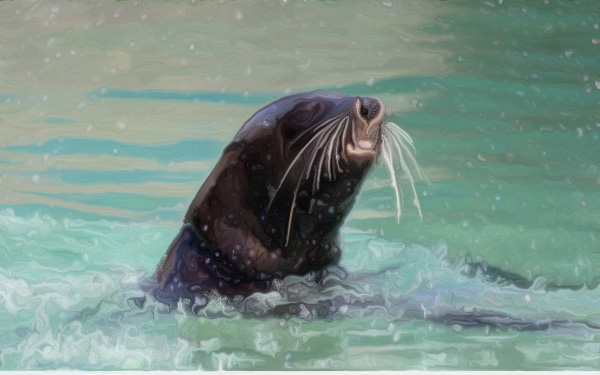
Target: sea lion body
274,203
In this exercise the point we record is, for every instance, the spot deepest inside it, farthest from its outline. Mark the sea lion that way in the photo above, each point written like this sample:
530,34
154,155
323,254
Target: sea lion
273,204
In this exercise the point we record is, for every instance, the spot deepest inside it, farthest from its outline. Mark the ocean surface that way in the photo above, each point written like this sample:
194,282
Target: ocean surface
112,113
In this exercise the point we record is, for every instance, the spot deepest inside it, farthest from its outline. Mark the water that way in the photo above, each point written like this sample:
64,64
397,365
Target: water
112,114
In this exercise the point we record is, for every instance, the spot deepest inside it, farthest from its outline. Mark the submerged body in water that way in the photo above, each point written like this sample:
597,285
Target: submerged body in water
268,218
274,203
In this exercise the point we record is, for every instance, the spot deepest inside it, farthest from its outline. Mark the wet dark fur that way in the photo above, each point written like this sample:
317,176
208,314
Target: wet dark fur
237,235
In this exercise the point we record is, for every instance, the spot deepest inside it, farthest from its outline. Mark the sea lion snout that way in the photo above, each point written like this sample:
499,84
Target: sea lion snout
369,113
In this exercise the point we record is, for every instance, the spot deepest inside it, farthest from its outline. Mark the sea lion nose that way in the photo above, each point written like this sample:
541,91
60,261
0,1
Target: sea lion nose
370,108
369,113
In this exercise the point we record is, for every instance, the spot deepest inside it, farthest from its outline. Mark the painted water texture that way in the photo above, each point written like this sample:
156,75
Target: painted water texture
112,114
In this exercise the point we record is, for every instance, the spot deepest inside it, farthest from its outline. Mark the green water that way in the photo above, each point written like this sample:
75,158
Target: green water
113,113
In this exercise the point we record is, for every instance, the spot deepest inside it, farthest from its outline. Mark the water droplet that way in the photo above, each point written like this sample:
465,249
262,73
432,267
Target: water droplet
533,244
569,53
457,328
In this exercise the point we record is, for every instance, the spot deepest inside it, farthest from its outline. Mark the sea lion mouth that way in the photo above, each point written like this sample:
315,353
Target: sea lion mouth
369,114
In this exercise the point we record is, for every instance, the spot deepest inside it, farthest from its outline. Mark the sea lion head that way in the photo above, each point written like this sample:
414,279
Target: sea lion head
298,117
274,203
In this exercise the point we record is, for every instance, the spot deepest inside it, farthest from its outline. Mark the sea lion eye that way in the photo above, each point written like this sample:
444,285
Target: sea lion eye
303,114
301,117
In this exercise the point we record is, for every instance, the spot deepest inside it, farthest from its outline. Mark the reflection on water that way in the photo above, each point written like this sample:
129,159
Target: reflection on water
112,115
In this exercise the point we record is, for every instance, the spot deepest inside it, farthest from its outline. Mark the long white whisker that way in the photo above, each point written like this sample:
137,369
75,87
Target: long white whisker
290,217
292,164
316,128
340,144
386,153
344,137
326,158
402,135
322,141
407,155
416,202
395,140
317,182
322,136
330,164
318,166
396,129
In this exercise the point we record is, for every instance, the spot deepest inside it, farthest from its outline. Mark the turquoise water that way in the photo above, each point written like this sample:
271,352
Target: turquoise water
113,113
